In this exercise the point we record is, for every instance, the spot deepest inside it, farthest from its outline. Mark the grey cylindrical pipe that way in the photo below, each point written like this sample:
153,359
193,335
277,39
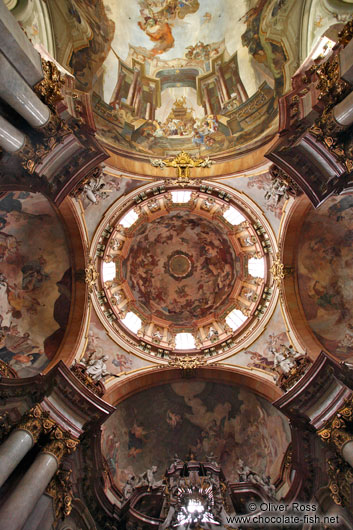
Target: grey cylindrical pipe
19,505
11,139
14,448
15,91
347,452
343,111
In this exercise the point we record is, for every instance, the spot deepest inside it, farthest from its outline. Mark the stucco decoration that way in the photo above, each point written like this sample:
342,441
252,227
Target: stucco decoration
35,282
232,422
180,267
325,274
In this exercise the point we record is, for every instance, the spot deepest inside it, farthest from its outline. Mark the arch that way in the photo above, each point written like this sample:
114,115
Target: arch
121,390
290,296
79,297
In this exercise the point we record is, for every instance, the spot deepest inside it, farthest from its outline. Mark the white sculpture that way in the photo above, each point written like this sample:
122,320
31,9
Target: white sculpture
129,487
277,191
148,479
96,368
285,359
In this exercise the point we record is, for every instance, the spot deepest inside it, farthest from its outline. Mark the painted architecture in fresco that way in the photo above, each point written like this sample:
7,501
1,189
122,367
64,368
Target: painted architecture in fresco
35,282
167,76
194,417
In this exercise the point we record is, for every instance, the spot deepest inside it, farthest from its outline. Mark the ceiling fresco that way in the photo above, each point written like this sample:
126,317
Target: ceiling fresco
325,274
178,264
232,422
180,267
169,75
35,282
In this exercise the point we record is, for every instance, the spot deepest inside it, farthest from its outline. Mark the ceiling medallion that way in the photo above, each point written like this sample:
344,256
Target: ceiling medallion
183,163
180,265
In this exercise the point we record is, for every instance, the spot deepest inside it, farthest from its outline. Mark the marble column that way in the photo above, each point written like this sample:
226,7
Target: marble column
148,111
19,505
11,139
15,447
132,89
219,92
15,91
116,95
207,101
347,452
343,111
223,83
242,90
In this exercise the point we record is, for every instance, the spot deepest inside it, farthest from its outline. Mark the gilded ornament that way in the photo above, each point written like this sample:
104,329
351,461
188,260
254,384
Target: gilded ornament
91,276
335,430
187,362
6,370
61,443
340,481
32,422
183,162
60,489
49,89
95,387
346,35
278,270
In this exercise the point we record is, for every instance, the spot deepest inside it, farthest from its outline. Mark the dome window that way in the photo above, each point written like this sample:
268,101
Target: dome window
233,216
132,322
235,319
184,341
129,219
256,267
109,271
181,196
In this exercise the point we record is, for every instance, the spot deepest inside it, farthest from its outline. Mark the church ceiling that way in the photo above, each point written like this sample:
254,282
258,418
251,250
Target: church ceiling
325,274
231,422
166,76
177,265
181,268
35,282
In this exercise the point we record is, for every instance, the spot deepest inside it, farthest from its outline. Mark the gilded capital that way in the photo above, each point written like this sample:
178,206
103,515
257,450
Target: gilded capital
335,431
61,443
33,421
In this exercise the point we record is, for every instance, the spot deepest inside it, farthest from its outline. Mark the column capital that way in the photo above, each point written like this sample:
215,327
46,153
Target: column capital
33,422
61,443
335,431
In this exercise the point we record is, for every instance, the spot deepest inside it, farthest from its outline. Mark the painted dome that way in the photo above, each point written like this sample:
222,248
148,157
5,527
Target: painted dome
180,267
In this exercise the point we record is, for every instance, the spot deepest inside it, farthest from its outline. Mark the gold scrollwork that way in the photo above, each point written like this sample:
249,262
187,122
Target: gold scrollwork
340,481
278,270
187,362
335,431
91,275
183,163
60,489
49,89
61,443
33,422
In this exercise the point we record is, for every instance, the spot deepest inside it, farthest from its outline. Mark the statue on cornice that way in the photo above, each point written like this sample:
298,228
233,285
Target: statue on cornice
285,359
129,487
96,368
